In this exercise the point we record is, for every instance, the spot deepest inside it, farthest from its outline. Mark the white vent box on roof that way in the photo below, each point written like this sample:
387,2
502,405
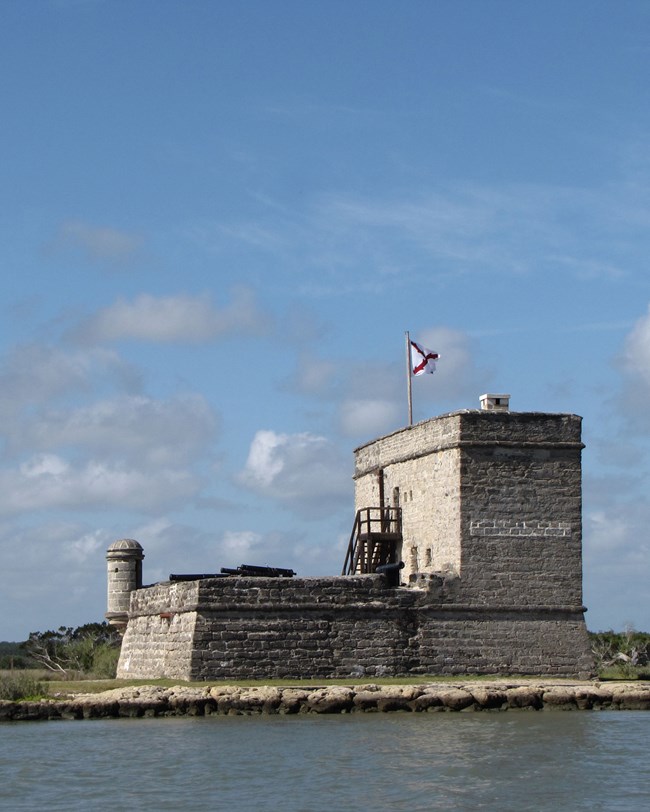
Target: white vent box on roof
495,403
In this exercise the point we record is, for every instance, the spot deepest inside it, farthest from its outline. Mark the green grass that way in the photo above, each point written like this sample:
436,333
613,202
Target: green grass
22,685
90,686
628,674
37,673
55,687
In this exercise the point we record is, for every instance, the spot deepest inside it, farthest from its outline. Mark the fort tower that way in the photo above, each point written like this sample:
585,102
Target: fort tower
124,575
488,495
484,508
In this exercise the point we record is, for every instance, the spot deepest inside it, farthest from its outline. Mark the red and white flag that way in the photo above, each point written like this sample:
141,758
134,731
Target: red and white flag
422,359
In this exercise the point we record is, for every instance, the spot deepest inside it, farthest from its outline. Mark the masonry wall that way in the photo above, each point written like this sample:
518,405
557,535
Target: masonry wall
494,497
159,637
521,527
500,642
249,628
430,500
421,471
492,541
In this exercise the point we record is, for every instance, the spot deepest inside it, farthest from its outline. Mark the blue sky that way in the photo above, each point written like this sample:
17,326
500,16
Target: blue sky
218,220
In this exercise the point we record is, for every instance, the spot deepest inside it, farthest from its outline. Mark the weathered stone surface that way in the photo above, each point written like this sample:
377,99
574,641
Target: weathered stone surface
339,627
598,697
292,700
427,700
491,520
503,696
560,698
525,697
330,700
491,510
366,698
489,698
189,701
631,697
495,498
456,699
397,697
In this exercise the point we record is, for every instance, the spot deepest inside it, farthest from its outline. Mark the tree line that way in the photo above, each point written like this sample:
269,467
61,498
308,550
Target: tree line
625,654
91,649
94,648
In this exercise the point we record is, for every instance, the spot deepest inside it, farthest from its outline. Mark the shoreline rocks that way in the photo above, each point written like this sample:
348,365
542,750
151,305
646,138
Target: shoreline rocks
498,695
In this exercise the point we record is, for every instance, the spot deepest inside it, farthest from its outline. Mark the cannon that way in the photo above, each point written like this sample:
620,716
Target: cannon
391,571
253,571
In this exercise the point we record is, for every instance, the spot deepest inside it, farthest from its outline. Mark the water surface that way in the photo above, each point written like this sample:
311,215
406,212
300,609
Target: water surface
431,761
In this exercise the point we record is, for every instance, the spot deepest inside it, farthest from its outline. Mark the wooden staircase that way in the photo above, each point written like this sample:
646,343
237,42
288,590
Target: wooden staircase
376,535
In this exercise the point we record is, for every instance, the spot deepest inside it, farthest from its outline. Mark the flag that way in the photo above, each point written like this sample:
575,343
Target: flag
422,359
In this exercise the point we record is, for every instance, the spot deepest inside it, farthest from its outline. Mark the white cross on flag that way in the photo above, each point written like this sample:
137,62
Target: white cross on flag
422,359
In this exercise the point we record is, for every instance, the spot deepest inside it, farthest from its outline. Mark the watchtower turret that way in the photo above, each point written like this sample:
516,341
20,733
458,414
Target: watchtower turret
124,574
490,496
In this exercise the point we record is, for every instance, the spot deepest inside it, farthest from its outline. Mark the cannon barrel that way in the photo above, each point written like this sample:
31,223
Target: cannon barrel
391,571
254,571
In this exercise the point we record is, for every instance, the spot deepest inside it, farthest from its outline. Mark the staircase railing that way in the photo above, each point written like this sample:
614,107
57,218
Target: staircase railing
373,540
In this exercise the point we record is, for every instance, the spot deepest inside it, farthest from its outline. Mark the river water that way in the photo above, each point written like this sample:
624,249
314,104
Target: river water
523,760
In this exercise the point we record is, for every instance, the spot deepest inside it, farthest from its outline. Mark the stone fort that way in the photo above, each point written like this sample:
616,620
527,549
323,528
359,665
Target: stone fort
465,558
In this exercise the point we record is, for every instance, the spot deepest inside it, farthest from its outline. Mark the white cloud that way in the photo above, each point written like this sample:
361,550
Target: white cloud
616,552
368,395
314,376
49,482
293,551
54,575
458,374
66,448
179,318
636,353
88,547
469,228
97,243
44,465
144,431
606,532
36,373
369,417
251,234
634,365
238,544
265,459
590,269
169,546
173,546
304,472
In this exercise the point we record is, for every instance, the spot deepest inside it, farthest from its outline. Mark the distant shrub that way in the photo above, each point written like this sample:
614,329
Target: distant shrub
623,655
13,655
21,686
92,649
105,660
10,661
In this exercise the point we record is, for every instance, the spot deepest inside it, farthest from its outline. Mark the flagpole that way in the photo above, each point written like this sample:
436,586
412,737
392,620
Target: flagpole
408,377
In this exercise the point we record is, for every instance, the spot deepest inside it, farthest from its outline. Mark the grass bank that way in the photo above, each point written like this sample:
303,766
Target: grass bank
29,680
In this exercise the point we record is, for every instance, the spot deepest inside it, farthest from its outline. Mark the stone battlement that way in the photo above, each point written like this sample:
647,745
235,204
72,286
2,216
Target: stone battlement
339,627
491,536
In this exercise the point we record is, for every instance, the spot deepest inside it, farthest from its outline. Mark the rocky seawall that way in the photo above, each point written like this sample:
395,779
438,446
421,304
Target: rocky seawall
152,700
